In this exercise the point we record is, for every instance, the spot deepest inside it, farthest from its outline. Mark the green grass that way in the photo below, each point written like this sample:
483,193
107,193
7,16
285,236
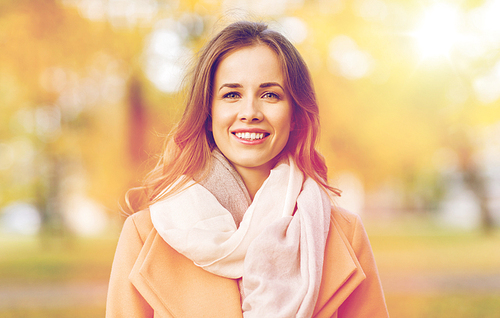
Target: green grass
450,253
421,249
31,263
444,306
28,260
75,312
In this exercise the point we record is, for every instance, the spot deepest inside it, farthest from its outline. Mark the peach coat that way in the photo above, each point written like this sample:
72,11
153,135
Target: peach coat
151,279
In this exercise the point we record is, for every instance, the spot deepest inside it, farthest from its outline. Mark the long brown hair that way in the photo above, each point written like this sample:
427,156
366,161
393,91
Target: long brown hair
188,147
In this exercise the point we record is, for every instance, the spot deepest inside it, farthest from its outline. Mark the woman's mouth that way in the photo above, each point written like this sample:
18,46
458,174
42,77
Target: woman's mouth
250,136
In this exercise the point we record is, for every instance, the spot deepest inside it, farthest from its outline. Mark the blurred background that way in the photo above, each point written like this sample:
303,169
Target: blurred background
409,94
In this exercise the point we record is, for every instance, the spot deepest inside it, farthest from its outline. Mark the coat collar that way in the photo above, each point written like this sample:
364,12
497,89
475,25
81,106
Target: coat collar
175,287
342,272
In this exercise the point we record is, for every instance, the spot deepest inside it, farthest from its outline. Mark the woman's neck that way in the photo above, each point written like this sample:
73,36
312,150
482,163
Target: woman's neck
253,178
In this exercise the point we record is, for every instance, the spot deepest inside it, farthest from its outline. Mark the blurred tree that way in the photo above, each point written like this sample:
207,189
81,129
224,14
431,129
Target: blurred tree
389,123
82,86
66,76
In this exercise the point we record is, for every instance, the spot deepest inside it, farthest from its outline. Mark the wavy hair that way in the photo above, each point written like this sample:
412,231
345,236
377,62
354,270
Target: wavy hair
188,147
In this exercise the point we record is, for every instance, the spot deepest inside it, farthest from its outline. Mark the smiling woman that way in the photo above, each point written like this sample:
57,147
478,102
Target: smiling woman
238,219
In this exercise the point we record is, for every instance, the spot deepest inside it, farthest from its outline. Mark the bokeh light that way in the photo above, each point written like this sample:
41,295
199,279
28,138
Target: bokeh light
347,60
438,30
166,58
487,87
293,28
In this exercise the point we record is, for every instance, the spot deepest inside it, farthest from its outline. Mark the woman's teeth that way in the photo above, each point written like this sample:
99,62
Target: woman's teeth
249,135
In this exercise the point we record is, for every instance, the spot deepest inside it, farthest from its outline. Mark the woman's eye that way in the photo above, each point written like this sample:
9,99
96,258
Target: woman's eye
231,95
271,96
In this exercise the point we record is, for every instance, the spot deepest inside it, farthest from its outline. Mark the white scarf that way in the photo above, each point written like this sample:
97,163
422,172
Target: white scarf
278,247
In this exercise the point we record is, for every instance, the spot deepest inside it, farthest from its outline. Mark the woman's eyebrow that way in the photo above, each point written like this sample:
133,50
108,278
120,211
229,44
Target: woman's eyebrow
263,85
230,85
270,84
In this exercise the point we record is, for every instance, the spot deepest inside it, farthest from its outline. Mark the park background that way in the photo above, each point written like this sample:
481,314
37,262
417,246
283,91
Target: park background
409,95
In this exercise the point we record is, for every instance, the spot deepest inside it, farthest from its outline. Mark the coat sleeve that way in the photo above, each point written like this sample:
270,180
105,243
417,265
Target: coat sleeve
123,299
367,300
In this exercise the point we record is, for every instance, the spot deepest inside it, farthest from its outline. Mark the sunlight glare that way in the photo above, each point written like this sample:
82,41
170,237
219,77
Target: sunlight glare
438,30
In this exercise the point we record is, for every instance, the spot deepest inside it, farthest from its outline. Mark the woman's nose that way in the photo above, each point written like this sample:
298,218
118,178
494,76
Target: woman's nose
250,111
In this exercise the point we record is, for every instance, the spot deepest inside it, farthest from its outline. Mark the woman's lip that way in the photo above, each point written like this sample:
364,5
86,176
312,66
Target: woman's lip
250,130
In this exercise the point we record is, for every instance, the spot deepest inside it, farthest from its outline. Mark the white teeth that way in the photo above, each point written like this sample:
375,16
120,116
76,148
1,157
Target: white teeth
249,136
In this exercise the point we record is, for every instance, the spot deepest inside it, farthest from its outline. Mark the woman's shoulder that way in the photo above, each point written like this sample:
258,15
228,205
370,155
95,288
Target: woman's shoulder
343,215
140,222
348,222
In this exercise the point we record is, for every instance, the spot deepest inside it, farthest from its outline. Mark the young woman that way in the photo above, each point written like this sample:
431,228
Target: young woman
238,220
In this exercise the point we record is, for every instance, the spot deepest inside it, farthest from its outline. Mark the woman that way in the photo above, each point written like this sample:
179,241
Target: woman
238,220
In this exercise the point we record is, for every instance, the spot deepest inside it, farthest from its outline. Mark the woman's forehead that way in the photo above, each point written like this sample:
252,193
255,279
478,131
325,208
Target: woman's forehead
253,63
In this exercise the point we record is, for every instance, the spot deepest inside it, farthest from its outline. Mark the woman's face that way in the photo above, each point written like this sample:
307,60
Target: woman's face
251,111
